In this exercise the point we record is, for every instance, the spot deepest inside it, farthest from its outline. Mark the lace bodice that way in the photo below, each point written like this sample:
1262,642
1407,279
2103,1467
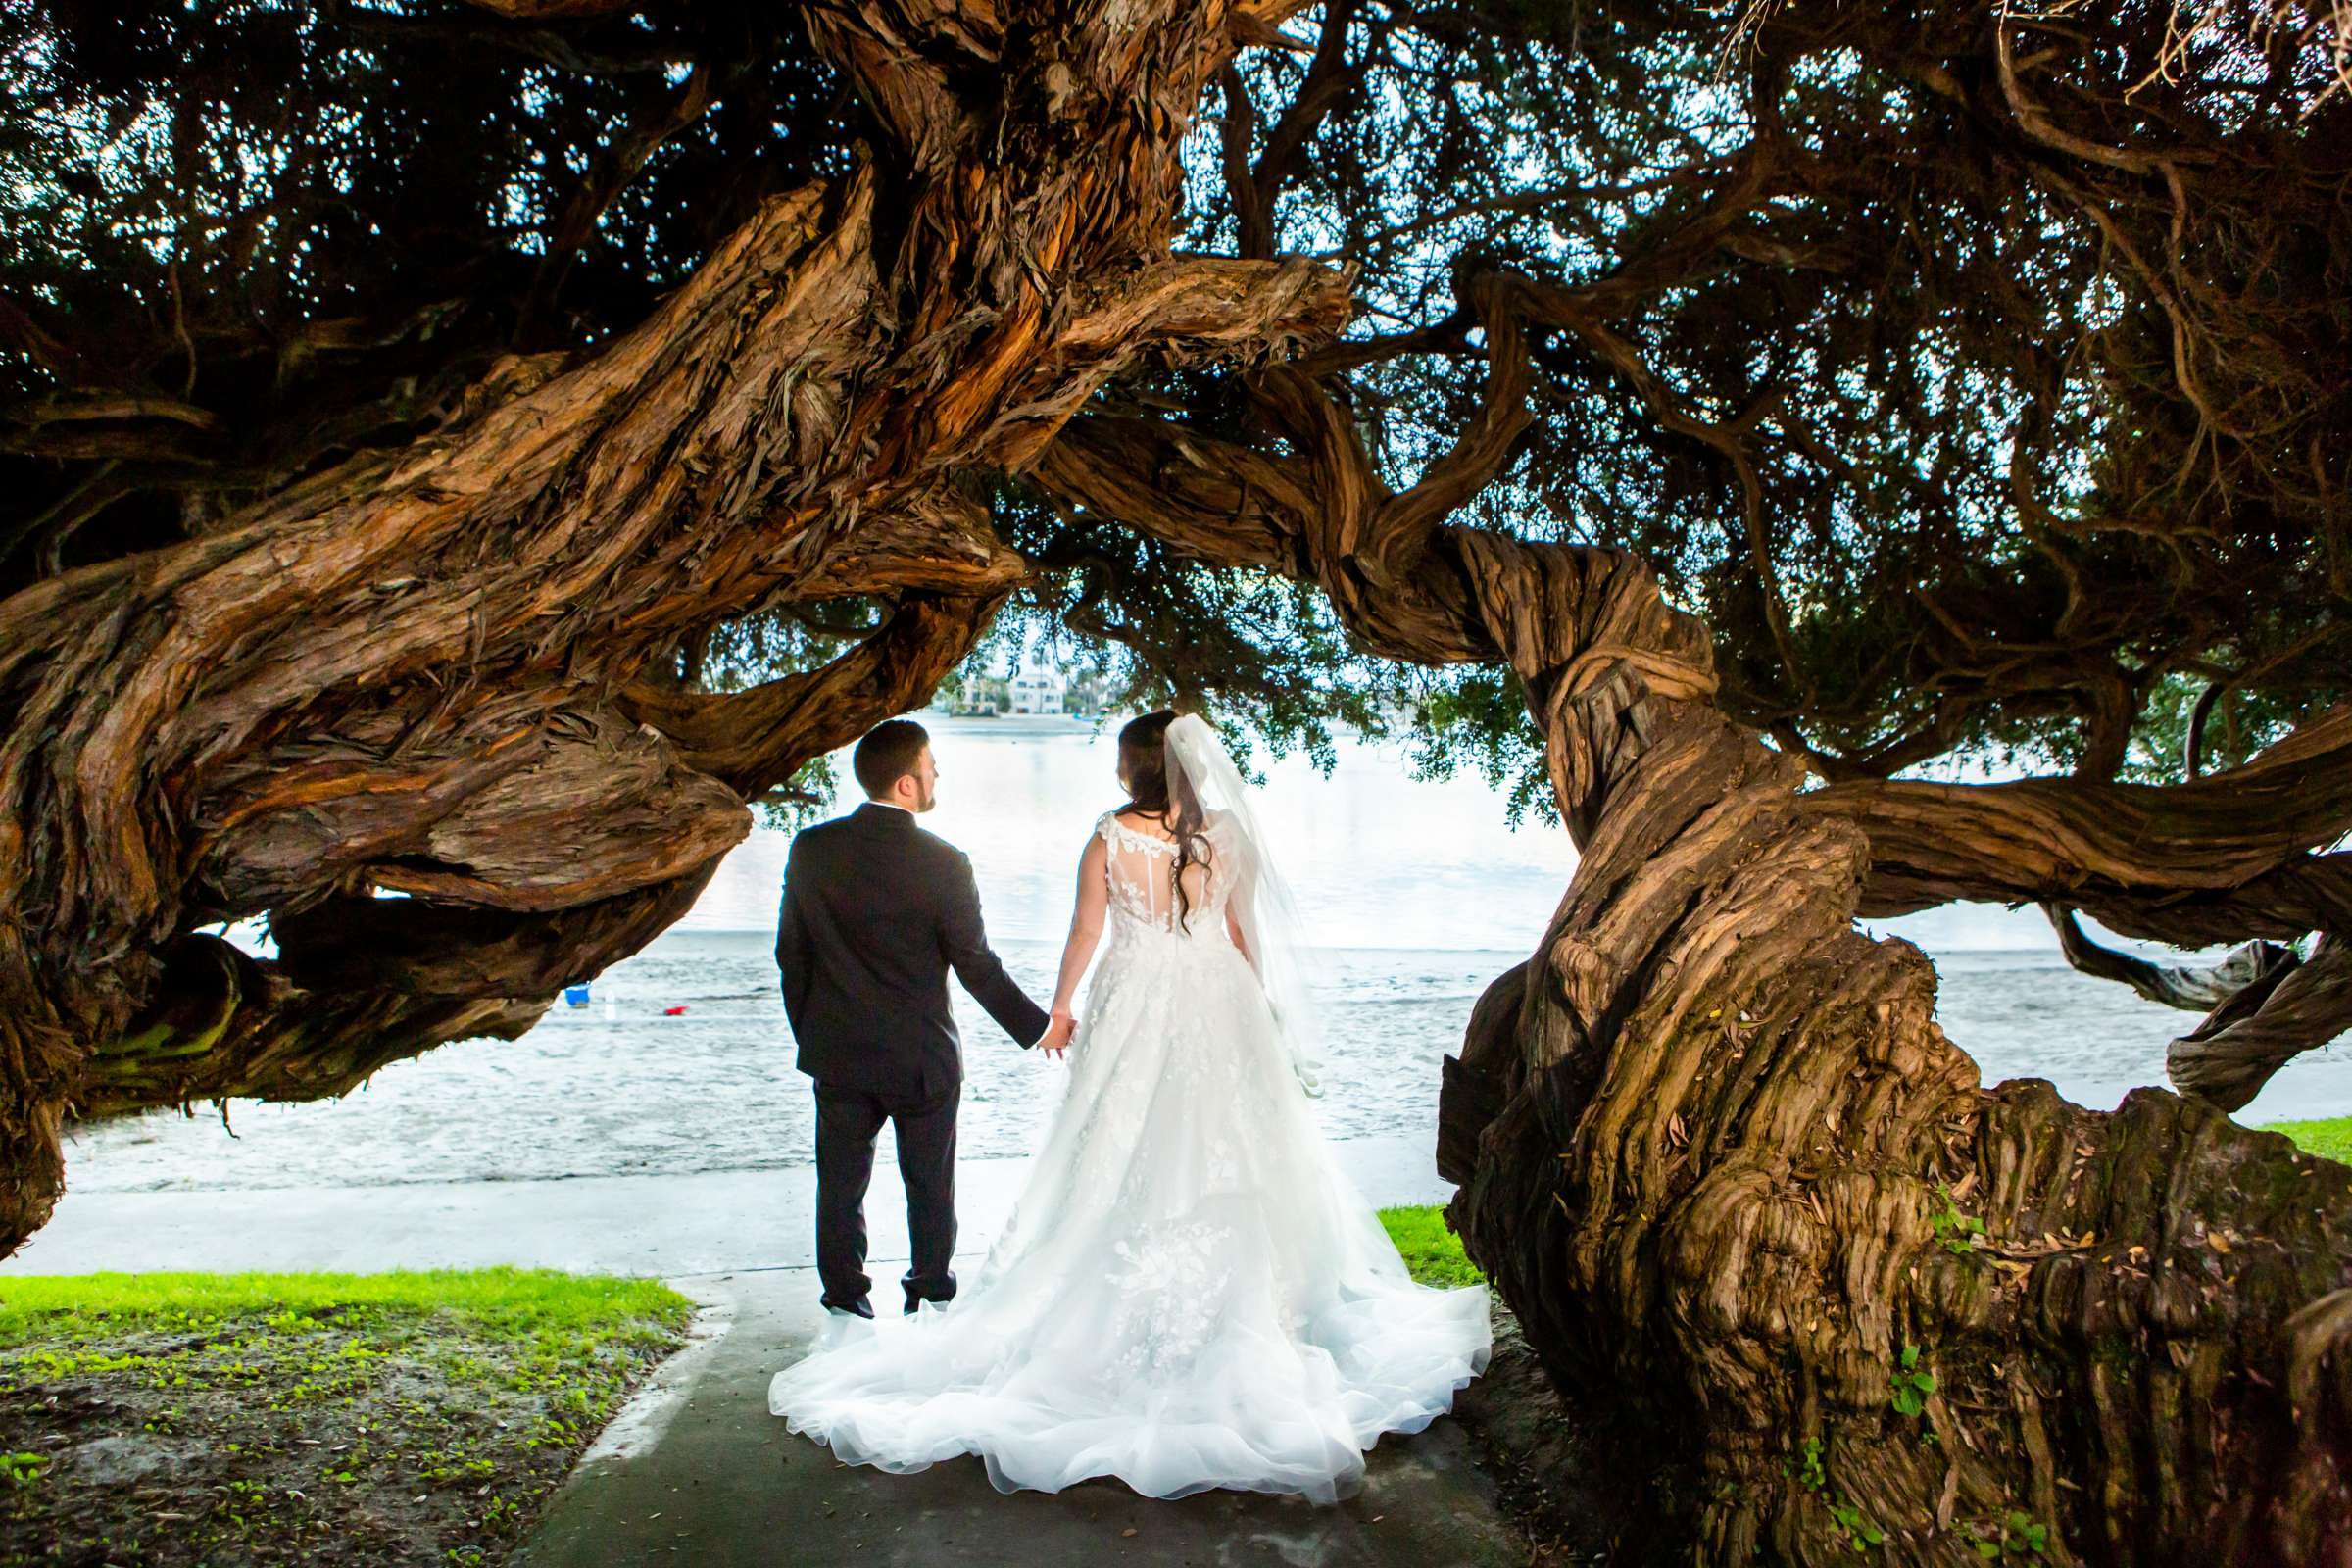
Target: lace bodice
1142,871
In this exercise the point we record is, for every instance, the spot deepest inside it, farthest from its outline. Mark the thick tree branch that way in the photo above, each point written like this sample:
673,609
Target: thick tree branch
2190,989
2231,1054
2127,854
757,740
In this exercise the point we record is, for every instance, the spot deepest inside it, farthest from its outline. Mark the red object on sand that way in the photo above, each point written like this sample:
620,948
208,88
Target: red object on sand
672,1012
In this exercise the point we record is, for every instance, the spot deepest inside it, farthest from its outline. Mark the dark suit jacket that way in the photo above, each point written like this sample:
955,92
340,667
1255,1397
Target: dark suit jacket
876,911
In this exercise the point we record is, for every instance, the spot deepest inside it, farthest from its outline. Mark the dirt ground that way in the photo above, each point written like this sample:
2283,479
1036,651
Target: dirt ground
320,1438
1569,1480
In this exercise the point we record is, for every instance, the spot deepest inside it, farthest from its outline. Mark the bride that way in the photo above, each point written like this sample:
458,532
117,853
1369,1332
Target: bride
1189,1295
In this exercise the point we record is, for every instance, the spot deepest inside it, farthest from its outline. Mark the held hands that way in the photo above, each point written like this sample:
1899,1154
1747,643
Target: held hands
1058,1035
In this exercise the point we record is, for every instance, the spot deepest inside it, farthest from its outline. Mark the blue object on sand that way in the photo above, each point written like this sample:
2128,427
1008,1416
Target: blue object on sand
577,994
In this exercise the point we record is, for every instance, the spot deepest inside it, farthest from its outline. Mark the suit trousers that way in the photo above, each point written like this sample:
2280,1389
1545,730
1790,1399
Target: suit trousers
847,1121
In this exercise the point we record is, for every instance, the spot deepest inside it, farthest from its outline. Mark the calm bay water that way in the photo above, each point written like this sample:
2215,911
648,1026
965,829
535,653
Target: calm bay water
1418,890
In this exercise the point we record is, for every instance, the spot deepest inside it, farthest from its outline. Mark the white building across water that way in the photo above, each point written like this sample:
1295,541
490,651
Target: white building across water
1038,684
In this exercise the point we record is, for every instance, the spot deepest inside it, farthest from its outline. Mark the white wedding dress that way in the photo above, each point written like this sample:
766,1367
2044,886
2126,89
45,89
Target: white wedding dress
1190,1294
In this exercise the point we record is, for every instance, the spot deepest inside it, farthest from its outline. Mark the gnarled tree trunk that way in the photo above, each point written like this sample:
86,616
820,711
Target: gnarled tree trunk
1720,1152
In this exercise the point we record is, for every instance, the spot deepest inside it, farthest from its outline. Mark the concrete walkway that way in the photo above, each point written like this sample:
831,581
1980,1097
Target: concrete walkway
697,1471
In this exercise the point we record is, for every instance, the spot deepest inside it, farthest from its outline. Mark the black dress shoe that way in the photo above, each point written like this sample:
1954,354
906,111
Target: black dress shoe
865,1310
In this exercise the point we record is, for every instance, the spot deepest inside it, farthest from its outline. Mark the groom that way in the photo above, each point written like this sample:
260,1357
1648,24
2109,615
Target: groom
876,911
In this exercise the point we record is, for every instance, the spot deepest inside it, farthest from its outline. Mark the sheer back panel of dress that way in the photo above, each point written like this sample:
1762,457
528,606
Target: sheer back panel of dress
1142,871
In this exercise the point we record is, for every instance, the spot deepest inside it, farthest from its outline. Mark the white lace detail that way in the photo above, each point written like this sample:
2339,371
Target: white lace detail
1189,1294
1170,1280
1142,872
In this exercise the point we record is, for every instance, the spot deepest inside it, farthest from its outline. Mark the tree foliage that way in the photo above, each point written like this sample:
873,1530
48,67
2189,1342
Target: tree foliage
1958,438
1955,435
241,240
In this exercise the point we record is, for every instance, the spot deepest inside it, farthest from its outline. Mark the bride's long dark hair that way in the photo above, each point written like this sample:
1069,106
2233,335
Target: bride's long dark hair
1143,764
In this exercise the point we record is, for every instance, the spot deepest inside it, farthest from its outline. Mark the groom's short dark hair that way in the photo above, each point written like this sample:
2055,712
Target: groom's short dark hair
887,755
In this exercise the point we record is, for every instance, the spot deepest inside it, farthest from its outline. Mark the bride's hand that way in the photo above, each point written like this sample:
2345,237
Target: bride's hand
1058,1034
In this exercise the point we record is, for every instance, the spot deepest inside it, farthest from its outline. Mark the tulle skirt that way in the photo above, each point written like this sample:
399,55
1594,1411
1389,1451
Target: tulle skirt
1189,1295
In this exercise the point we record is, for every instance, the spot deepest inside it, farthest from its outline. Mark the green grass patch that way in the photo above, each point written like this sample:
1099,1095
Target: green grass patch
511,1303
321,1419
2329,1140
1433,1252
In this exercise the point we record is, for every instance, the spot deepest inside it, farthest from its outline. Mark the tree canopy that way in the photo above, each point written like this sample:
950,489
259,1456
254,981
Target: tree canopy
1980,398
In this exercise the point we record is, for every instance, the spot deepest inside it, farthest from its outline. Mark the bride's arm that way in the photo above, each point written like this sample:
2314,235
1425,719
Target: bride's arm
1086,924
1244,889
